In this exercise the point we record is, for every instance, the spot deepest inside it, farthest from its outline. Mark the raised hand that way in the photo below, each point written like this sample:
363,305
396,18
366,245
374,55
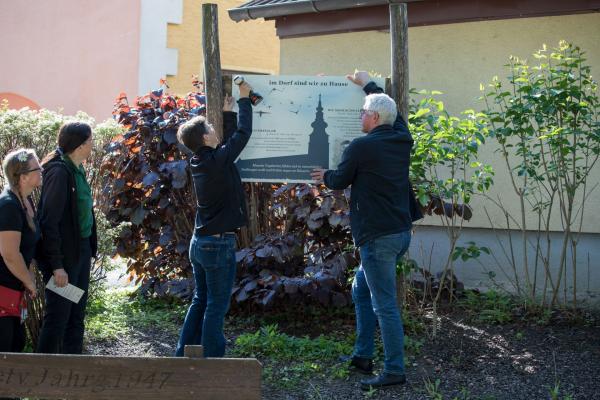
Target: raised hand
228,102
360,78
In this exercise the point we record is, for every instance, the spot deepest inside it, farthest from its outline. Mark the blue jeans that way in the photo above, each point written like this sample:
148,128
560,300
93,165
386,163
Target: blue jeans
374,295
213,261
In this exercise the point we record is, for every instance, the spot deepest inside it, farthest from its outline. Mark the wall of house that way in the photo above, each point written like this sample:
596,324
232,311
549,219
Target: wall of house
455,59
247,46
70,54
430,248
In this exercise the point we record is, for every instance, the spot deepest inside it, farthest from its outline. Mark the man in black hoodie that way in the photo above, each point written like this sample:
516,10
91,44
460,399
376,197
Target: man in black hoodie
220,210
376,165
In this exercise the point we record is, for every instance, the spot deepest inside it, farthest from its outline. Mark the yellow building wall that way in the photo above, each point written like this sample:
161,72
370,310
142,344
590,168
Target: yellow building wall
249,46
455,59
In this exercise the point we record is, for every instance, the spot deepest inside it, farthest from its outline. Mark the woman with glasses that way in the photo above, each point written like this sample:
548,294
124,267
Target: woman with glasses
19,234
69,239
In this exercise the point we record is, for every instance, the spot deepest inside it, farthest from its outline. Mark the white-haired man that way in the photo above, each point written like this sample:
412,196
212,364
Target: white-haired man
382,208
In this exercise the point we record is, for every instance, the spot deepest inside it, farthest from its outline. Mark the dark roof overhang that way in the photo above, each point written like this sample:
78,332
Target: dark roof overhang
278,8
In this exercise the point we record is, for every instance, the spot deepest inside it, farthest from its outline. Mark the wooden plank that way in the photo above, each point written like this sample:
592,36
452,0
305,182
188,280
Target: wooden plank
55,376
193,351
399,48
212,67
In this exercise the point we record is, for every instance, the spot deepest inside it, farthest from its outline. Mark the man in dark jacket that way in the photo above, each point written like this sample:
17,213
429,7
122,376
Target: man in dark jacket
376,166
220,210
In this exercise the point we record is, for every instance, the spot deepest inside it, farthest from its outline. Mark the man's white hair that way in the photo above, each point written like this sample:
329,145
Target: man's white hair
383,105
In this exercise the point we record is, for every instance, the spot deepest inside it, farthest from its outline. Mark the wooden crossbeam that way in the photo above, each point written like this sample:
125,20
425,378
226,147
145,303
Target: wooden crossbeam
53,376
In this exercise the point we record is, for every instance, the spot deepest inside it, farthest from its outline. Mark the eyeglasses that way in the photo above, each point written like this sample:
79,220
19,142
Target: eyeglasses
363,112
35,169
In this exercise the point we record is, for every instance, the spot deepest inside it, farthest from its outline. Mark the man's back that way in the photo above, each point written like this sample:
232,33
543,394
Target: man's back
380,197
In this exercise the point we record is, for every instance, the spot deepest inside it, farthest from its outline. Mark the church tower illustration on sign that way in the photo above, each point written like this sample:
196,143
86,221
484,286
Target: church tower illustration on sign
318,145
298,166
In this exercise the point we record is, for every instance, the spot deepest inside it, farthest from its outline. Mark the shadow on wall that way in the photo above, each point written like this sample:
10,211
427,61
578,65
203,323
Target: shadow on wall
429,248
16,101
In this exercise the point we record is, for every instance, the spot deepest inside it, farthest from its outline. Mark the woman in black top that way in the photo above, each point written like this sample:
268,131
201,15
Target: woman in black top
19,234
68,238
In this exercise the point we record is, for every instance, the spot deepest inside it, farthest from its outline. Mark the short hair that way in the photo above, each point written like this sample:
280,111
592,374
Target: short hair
383,105
191,134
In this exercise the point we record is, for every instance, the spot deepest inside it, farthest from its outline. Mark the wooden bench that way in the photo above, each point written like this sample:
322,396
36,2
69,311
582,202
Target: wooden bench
56,376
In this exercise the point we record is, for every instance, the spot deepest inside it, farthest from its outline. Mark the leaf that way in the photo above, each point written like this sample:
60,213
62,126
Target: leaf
177,170
264,252
335,219
420,112
164,202
242,296
138,215
250,286
240,255
302,212
165,238
314,225
267,300
150,179
170,136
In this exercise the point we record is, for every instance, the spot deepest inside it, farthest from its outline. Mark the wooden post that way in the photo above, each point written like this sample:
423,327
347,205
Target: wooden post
213,86
399,48
399,85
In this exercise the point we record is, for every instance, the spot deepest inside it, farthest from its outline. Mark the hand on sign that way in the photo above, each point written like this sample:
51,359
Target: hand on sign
317,175
360,78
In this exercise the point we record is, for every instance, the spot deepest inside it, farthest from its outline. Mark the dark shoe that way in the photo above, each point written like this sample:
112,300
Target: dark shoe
362,365
384,379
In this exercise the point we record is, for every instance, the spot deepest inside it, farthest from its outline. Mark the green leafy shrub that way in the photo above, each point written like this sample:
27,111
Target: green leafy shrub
447,174
488,307
545,121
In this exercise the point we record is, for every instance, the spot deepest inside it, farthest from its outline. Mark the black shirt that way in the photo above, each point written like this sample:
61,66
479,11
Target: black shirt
221,203
376,165
58,214
14,218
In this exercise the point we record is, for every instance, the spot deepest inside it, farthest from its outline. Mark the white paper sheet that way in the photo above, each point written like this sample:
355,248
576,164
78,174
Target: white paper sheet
69,292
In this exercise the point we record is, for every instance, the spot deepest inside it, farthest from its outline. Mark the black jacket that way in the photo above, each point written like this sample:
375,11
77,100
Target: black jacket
59,219
221,203
376,165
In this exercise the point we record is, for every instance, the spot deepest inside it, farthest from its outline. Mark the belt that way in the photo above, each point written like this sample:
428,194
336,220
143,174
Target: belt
222,235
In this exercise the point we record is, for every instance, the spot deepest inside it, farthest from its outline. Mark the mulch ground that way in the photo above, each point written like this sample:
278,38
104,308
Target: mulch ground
471,361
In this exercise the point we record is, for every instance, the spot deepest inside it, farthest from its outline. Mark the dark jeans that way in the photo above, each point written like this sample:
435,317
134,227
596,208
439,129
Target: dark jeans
374,295
213,260
63,326
12,333
12,338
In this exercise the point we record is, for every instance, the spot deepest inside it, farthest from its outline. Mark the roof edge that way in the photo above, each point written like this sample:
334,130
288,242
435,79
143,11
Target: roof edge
303,7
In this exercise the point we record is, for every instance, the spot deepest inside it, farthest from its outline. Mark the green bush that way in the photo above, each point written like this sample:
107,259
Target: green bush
545,121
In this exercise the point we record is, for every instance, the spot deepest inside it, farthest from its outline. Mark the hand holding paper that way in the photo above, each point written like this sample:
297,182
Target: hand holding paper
69,292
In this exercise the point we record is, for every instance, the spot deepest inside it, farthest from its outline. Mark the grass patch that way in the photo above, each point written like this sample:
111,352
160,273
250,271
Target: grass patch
290,360
488,307
116,312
